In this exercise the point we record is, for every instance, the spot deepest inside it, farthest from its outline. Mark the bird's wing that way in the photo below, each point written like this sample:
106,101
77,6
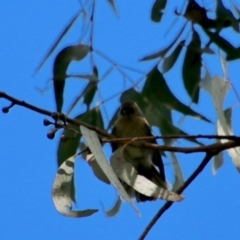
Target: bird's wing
156,156
114,144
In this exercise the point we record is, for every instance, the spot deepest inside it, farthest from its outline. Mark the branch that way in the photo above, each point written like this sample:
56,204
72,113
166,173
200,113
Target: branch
211,147
210,150
55,115
167,205
60,116
228,137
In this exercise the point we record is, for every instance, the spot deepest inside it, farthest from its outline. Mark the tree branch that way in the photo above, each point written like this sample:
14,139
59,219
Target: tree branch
55,115
235,141
211,147
167,205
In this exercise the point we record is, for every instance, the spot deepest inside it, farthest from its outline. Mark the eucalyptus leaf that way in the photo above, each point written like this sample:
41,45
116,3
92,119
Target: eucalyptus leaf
219,88
157,90
225,128
95,146
231,51
225,18
218,161
126,172
198,15
170,60
98,172
158,6
178,175
68,148
157,115
61,192
61,63
90,93
192,68
115,209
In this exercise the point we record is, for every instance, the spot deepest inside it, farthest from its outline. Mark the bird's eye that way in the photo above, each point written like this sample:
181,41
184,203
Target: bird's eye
127,111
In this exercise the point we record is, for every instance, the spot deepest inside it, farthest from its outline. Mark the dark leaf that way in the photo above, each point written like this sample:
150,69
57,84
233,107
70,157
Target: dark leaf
90,93
61,63
157,9
198,15
192,68
91,88
112,121
156,54
90,77
170,60
156,113
232,52
225,18
157,90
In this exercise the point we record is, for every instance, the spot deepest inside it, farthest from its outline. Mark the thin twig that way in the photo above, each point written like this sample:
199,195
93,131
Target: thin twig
54,115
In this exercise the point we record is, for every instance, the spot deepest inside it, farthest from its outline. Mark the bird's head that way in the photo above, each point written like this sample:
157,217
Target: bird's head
130,108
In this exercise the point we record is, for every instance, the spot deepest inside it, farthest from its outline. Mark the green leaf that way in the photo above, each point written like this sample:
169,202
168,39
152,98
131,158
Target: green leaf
94,145
231,51
157,90
97,170
128,174
87,93
156,114
61,63
69,148
192,68
198,15
225,18
91,89
157,8
112,121
178,175
170,60
218,161
115,208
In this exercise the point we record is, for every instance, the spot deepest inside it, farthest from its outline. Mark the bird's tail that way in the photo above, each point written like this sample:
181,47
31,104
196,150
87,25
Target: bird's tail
153,175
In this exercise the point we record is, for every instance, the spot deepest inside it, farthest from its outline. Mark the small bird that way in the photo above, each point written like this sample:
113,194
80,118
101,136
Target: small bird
132,123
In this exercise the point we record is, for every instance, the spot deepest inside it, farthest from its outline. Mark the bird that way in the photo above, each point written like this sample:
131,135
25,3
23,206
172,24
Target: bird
147,162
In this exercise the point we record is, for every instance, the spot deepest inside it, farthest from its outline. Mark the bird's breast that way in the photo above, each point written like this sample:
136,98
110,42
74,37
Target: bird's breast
130,127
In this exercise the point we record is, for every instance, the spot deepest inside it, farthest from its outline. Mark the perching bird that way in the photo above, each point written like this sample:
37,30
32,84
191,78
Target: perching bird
132,123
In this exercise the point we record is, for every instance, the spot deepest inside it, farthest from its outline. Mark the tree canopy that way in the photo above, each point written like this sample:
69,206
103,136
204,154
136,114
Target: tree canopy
175,61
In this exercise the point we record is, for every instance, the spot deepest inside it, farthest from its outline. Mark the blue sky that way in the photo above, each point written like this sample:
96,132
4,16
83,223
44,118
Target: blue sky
28,158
